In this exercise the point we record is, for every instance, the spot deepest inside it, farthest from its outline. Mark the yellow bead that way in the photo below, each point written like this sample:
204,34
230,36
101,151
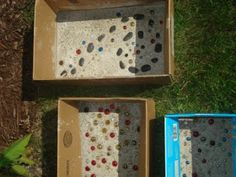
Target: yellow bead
95,122
99,115
99,146
132,24
104,130
93,139
118,146
116,124
107,122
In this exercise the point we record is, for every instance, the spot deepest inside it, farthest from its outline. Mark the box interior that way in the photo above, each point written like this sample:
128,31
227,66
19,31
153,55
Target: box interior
107,136
114,40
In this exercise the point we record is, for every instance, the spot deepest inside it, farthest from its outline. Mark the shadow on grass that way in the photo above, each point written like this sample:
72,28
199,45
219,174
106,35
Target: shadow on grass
49,144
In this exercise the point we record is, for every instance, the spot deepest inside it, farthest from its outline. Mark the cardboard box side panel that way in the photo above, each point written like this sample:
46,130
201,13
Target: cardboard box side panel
93,4
143,158
69,155
44,41
150,116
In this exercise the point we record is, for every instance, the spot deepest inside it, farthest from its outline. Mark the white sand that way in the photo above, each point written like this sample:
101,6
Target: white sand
74,27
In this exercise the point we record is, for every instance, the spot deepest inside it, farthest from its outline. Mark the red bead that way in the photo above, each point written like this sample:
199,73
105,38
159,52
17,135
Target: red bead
92,148
93,162
161,22
135,167
124,27
195,133
127,122
87,134
93,175
194,175
114,163
153,41
104,160
100,109
107,111
211,121
112,106
78,51
112,135
137,52
87,168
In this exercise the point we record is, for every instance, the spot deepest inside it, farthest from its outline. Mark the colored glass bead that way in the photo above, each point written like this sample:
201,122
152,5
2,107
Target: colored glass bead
122,132
100,109
78,51
138,129
118,146
224,139
83,42
126,142
116,124
199,150
153,41
100,49
95,122
161,22
194,175
125,166
107,122
204,161
87,168
124,27
99,115
211,121
117,110
137,52
126,113
87,134
184,175
93,139
92,148
112,106
195,133
112,135
114,163
99,146
132,23
188,138
112,39
109,148
104,160
226,130
203,139
86,109
61,62
93,175
187,162
104,130
134,142
135,167
107,111
212,142
127,122
93,162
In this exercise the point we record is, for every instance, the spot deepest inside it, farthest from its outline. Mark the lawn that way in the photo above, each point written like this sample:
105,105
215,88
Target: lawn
205,79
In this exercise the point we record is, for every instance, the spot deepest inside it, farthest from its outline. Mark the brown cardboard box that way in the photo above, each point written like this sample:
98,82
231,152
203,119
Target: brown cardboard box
69,162
45,37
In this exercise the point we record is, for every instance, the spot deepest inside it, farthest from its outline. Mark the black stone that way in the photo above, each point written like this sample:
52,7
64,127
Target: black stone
90,47
126,55
133,69
158,35
152,12
140,34
203,139
212,143
61,62
64,73
81,61
128,36
151,23
124,19
101,37
73,71
158,48
122,65
119,52
154,60
138,16
86,109
145,68
142,46
118,14
112,29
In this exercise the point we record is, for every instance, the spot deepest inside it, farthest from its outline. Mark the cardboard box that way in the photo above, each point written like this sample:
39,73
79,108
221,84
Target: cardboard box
80,41
200,145
90,128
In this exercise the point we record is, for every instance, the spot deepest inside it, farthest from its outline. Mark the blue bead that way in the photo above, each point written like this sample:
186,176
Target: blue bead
184,175
83,42
224,139
188,138
187,162
100,49
226,130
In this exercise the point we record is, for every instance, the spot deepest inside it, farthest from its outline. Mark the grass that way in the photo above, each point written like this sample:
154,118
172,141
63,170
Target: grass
205,79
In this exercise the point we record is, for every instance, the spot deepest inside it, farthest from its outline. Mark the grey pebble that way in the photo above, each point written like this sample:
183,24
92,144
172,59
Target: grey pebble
90,47
133,69
101,37
81,61
145,68
122,65
158,48
119,52
112,29
138,16
124,19
154,60
128,36
73,71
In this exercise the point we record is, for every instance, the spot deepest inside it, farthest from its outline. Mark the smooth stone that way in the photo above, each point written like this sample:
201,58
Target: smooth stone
151,23
101,37
133,69
122,65
140,34
124,19
112,29
138,16
145,68
154,60
81,61
128,36
158,48
90,47
64,73
119,52
73,71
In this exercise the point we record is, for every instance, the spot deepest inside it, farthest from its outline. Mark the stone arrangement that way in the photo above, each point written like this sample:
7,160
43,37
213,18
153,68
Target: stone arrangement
110,139
206,147
116,42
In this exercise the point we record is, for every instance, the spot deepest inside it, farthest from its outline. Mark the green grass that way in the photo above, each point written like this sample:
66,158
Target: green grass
205,79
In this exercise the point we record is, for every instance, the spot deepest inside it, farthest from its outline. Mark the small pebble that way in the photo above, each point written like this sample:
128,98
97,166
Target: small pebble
112,29
90,47
73,71
138,16
128,36
158,48
101,37
119,52
133,69
154,60
145,68
81,61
